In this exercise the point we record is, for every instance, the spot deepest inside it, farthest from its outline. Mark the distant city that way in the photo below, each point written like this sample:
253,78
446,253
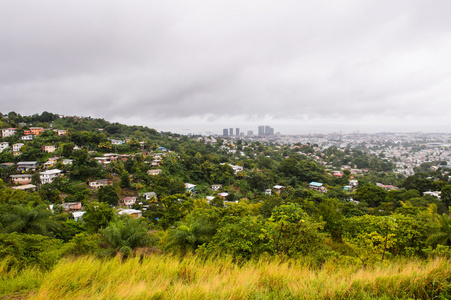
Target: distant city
263,131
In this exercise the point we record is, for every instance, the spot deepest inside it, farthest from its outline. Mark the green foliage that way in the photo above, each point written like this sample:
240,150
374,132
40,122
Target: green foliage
370,194
97,216
28,219
197,229
125,181
443,235
82,244
126,234
22,250
108,194
241,237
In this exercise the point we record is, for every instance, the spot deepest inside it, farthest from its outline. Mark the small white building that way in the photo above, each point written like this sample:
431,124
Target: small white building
135,213
216,187
150,195
3,146
27,138
7,132
49,175
16,147
154,172
128,201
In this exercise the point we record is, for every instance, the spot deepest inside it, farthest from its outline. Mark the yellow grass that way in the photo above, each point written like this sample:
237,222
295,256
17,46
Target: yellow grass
168,277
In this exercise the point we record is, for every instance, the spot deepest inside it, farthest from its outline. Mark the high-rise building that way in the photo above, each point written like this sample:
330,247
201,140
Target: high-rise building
237,131
225,132
267,130
231,131
261,130
250,132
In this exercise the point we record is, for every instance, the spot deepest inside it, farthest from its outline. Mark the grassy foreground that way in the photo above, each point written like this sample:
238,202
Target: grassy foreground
167,277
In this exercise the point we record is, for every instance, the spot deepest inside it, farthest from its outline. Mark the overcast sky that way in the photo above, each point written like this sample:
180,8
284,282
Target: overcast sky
197,66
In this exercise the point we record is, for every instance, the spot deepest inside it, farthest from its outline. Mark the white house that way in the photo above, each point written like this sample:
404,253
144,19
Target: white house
216,187
154,172
128,201
8,132
49,175
16,147
150,195
131,212
190,187
3,146
98,183
278,188
27,165
27,138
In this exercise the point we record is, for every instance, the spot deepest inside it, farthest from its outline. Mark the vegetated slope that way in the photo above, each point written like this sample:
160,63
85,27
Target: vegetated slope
168,277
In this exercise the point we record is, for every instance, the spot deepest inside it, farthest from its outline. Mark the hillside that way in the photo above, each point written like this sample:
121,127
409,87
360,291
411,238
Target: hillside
84,194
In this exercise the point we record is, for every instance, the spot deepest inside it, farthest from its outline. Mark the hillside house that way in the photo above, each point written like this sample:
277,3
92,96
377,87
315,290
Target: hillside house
49,148
21,178
27,138
131,212
317,186
78,215
111,156
190,188
3,146
154,172
278,188
98,183
128,201
116,142
34,131
354,183
7,132
16,148
67,161
51,162
150,195
155,162
223,195
25,187
216,187
49,175
71,206
60,132
26,166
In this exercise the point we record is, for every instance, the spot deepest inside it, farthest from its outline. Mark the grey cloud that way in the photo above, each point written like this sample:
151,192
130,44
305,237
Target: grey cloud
204,60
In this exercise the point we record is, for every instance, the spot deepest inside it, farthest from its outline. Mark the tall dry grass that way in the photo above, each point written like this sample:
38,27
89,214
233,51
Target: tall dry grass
168,277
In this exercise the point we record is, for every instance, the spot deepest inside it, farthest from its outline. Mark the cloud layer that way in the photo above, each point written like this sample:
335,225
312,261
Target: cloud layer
375,64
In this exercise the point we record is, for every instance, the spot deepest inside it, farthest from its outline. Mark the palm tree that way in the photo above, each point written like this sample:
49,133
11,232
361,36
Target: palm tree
126,234
28,219
443,236
191,233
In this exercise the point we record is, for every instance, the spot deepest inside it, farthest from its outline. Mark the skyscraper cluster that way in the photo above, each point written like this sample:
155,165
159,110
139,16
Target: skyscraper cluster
229,132
263,130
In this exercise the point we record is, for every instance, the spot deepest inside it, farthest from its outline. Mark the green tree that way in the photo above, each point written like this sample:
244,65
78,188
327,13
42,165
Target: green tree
125,180
28,219
370,194
98,215
126,234
197,229
443,235
108,194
